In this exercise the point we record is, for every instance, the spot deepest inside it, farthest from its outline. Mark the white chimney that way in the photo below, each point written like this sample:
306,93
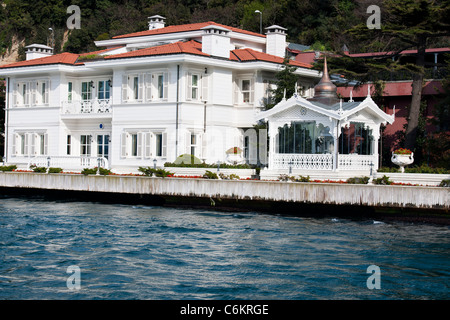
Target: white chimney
34,51
156,22
276,41
216,41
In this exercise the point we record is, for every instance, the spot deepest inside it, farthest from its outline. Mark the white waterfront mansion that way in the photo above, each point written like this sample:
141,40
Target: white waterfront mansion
146,99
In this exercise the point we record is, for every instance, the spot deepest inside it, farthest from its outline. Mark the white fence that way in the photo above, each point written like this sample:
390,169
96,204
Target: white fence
356,162
294,161
86,106
68,162
303,161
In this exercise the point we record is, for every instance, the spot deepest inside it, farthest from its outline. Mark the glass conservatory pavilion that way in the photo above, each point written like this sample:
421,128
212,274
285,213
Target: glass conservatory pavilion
324,133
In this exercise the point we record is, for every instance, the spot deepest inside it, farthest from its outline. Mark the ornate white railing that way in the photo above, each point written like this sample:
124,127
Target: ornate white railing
86,106
68,162
302,161
356,162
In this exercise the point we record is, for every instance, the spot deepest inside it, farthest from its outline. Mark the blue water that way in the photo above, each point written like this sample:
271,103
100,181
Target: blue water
139,252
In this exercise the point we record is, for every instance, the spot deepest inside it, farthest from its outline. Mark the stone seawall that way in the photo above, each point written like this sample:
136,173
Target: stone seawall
272,191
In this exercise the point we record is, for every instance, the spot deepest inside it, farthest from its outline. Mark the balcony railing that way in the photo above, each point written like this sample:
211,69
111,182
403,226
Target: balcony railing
95,106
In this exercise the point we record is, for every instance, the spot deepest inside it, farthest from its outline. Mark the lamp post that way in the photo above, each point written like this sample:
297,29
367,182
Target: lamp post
260,20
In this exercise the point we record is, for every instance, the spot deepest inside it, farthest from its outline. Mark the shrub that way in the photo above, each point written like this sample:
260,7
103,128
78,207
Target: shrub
358,180
426,169
445,183
303,179
39,169
55,170
102,171
285,177
230,177
384,180
8,168
148,171
388,169
210,175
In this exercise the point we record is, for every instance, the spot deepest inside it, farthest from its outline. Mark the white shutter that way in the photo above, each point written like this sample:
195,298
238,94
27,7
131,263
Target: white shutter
189,86
148,87
148,145
164,144
205,80
34,90
15,144
15,93
46,144
166,86
125,97
237,92
46,93
33,140
140,142
27,94
26,148
252,91
140,87
123,145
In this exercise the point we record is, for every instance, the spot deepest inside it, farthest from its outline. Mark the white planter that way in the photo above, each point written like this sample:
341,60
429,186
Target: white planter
402,160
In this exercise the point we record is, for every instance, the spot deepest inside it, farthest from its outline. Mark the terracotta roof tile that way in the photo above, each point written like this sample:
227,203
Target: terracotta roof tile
62,58
185,28
191,47
245,55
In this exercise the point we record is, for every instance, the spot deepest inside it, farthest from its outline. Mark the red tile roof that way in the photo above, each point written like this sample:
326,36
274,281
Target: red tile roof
185,28
191,47
188,47
62,58
244,55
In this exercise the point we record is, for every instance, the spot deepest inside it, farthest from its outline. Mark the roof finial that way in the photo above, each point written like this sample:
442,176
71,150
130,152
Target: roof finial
368,90
296,90
351,96
284,94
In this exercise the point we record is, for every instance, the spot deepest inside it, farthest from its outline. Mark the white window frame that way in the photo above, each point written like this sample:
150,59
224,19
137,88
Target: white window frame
30,144
201,89
239,91
131,92
145,144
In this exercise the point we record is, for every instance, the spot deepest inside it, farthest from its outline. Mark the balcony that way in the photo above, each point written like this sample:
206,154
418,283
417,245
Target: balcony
97,107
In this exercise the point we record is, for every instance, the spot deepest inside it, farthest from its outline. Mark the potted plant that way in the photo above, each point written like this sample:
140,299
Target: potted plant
402,157
234,155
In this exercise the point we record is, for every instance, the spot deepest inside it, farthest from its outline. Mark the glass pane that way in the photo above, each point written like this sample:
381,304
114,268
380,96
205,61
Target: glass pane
136,88
245,85
160,86
194,80
159,145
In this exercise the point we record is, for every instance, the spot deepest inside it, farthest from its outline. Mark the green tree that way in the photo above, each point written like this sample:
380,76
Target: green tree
285,84
407,24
